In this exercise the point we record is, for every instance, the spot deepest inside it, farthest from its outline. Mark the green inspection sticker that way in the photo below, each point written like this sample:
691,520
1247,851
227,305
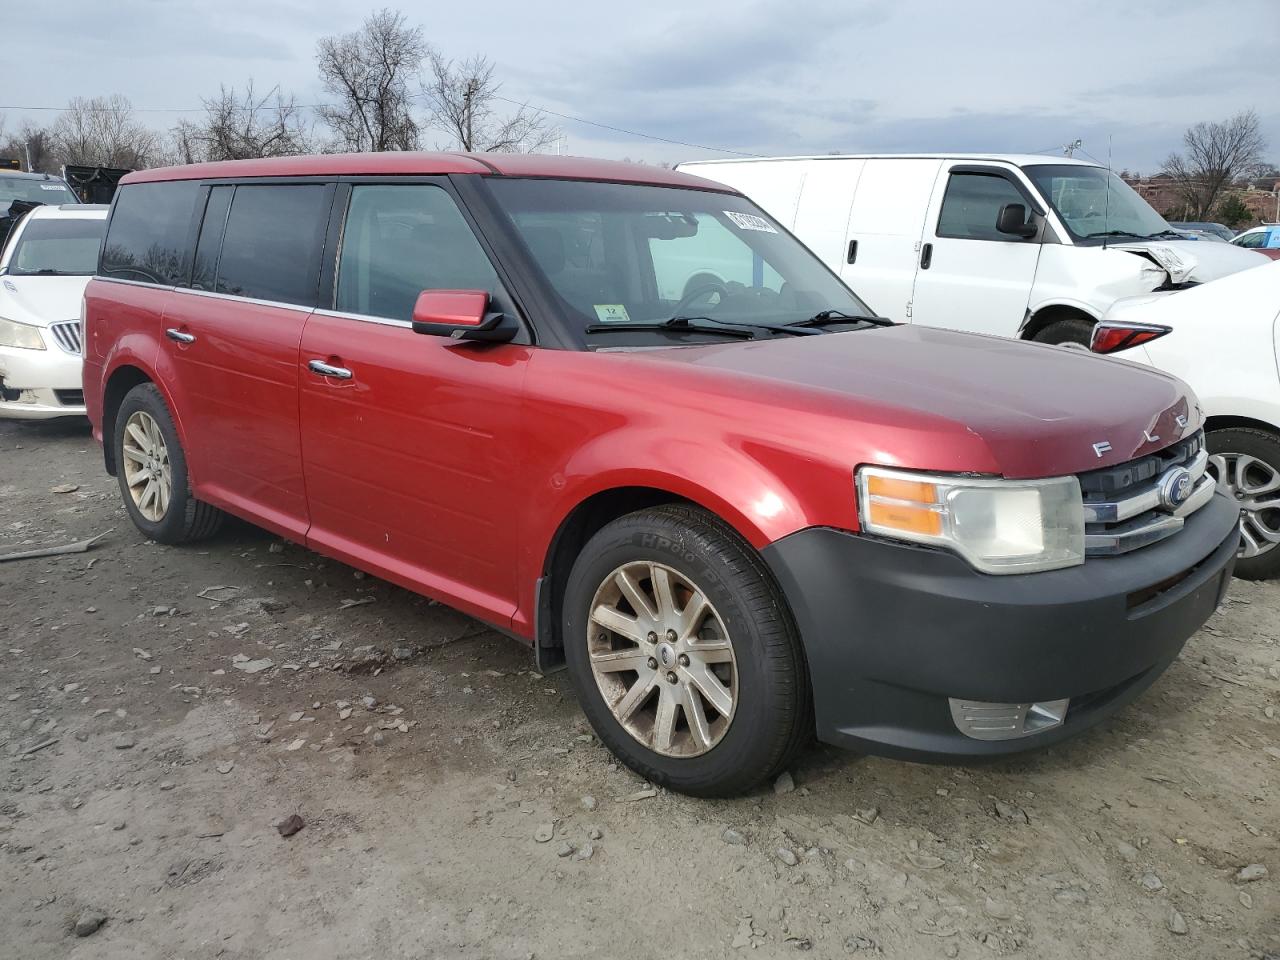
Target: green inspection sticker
612,313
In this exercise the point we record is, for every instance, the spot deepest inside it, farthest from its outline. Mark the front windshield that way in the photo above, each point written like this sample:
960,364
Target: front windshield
627,253
62,247
1095,205
38,191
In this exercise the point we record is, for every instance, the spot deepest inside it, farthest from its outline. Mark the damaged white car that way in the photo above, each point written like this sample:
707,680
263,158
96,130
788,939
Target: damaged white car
45,266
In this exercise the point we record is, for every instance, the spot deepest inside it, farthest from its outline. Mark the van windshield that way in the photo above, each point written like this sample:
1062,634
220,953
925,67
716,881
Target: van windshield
630,253
1096,205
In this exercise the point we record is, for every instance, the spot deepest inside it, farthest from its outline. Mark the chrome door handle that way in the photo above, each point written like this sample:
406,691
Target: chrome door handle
173,333
329,370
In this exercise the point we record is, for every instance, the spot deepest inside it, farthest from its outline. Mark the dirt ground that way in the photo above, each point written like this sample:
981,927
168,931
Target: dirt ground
145,770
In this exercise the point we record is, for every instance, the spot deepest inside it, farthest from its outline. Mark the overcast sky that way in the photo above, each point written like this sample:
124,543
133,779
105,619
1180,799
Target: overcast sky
764,78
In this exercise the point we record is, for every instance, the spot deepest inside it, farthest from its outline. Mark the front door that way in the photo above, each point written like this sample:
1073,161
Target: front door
410,443
232,342
969,275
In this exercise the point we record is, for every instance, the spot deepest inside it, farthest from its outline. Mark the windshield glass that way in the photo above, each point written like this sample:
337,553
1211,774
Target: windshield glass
39,191
58,247
1079,194
627,253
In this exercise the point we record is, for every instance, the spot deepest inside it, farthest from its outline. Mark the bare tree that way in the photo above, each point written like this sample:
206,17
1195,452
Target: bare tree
242,127
370,71
463,98
1216,155
101,131
33,146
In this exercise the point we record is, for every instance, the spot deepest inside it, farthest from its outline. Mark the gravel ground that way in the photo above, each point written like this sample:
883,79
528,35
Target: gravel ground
454,804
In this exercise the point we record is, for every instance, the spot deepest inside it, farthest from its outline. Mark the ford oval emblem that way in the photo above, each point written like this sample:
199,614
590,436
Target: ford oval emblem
1175,487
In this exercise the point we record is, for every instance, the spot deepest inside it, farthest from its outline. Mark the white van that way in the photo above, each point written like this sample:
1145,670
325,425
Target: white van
1029,246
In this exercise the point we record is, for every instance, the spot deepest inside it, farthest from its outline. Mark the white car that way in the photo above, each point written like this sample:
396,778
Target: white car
44,268
1222,338
1028,246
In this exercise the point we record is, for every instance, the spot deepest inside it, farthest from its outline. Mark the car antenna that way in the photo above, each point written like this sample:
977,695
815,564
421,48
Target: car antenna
1106,204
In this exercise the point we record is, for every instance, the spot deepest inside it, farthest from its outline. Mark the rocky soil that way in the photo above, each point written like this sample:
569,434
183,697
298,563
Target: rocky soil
242,750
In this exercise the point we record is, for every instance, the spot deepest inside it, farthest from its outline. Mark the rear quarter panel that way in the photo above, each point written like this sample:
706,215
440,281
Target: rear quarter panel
122,326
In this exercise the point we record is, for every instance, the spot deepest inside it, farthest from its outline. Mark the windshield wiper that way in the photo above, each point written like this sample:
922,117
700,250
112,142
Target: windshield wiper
1115,233
678,324
47,272
824,317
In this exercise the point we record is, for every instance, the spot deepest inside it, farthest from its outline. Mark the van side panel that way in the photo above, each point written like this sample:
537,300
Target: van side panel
826,200
887,221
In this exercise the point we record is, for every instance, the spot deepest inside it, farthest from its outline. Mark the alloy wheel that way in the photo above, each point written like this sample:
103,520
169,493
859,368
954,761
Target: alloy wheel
662,659
1255,486
147,472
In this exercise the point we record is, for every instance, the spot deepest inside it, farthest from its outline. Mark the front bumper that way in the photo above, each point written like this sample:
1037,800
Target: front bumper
40,384
896,635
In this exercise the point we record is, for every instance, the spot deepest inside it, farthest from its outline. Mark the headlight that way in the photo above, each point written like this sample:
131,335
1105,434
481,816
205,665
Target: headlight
14,334
999,526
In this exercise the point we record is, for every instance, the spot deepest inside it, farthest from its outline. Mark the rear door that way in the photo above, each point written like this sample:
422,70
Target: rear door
885,225
232,341
411,453
969,275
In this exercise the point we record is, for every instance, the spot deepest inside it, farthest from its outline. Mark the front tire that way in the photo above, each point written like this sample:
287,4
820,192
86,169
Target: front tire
152,470
683,653
1246,463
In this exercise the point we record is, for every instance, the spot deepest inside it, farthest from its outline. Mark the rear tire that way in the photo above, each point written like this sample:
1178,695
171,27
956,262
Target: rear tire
152,470
1075,330
1247,464
720,703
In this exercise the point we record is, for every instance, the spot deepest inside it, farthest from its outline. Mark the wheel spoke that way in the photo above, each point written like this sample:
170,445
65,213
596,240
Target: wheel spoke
709,685
631,700
139,435
635,596
164,496
1261,530
712,651
661,579
664,726
134,454
696,719
691,617
1249,544
614,661
619,623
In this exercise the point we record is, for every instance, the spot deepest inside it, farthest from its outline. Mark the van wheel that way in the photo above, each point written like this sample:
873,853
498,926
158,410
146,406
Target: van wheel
1078,330
683,653
153,472
1246,463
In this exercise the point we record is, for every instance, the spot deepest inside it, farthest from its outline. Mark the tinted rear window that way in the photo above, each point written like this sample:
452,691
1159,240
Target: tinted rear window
148,237
271,246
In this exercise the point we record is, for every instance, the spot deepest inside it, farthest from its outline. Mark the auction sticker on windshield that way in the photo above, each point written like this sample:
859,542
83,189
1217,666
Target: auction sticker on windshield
748,221
612,313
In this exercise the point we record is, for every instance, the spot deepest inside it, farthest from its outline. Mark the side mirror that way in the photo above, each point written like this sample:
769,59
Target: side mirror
1012,219
460,315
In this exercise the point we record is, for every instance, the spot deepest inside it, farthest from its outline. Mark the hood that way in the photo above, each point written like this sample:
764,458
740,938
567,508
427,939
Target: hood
1039,410
1193,261
41,300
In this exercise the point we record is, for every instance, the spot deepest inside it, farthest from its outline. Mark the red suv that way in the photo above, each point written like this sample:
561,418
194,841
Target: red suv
622,414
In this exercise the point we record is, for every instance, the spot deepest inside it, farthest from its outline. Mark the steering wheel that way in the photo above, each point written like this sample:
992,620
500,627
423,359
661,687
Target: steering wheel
707,288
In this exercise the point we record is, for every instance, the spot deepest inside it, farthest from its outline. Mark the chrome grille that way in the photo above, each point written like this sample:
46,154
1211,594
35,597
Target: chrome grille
67,335
1144,501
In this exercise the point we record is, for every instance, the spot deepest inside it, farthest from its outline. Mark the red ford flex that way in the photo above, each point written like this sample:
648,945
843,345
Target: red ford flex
623,415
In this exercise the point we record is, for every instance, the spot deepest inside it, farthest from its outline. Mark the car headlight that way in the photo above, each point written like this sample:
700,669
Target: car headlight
14,334
999,526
